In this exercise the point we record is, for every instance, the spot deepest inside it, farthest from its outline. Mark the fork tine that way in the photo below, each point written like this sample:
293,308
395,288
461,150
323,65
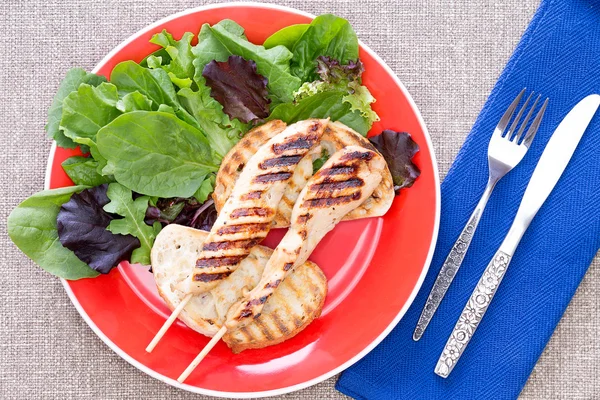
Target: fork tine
515,122
508,114
535,125
519,134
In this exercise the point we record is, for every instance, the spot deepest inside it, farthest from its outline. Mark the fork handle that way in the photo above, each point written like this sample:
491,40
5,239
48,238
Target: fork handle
473,313
452,264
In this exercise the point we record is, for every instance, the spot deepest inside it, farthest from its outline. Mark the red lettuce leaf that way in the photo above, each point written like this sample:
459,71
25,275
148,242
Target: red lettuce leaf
187,212
81,225
332,71
239,88
398,149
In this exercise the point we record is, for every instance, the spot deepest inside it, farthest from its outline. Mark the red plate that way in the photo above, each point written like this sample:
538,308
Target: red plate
375,266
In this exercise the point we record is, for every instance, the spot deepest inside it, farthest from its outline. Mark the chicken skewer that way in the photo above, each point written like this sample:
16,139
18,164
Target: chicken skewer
246,217
346,180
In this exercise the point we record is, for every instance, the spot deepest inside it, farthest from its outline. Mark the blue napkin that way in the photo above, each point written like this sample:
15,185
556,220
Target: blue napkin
559,56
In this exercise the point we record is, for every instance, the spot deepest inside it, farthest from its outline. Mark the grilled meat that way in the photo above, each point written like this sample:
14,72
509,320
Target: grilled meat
344,182
246,217
335,137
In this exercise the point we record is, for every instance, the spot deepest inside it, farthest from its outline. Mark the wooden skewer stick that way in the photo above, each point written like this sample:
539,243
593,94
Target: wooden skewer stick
202,354
168,323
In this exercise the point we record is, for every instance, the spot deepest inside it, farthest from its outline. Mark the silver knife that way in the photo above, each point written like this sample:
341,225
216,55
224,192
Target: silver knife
548,170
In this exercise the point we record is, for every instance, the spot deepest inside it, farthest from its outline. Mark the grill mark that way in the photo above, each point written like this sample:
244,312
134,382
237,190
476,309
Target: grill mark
273,285
280,325
251,212
244,314
256,302
303,234
273,177
218,261
230,244
256,194
357,155
331,201
329,185
289,202
264,329
208,277
282,161
338,170
243,228
288,266
298,142
302,219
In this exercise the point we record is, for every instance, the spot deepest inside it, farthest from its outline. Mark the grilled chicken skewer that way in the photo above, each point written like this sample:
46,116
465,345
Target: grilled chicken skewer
246,217
346,180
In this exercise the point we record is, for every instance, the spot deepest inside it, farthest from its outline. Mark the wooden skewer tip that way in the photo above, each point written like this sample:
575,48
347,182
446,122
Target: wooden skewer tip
215,339
168,323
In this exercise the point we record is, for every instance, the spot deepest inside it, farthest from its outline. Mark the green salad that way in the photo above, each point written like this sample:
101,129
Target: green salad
154,133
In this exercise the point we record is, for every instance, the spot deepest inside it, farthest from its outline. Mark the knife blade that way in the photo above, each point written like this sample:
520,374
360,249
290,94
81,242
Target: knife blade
550,167
552,163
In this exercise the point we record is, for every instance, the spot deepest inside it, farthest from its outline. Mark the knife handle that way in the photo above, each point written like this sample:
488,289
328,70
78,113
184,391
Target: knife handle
472,314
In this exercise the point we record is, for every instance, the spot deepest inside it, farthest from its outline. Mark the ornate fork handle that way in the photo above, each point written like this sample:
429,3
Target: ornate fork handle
452,264
473,313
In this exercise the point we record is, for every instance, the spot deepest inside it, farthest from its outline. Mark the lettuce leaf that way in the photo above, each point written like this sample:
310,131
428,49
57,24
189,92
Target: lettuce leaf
180,67
132,223
71,82
327,35
287,36
227,38
398,149
237,86
81,224
88,109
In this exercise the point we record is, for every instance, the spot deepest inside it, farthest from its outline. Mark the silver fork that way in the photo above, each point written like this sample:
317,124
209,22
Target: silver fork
506,149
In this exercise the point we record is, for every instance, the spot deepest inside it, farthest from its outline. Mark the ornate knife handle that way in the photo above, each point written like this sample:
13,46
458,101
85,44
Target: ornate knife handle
473,313
448,272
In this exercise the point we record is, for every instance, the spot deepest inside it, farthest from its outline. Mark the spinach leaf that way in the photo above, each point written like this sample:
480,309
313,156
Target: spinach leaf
327,35
81,225
88,109
133,211
74,78
156,154
84,171
155,84
227,38
287,36
134,101
32,228
327,104
205,189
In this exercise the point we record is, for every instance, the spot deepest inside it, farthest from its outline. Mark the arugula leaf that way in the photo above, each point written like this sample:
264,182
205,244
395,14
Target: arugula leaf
156,154
398,149
133,211
222,133
237,86
327,104
81,224
180,67
227,38
32,228
327,35
134,101
88,109
287,36
84,171
73,79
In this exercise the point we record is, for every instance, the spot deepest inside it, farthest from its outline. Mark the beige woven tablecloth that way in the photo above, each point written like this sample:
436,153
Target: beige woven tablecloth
447,53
